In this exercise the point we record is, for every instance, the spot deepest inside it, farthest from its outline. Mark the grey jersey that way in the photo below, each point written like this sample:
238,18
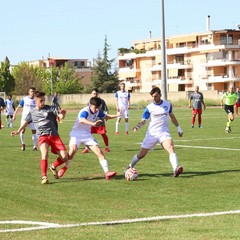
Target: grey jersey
197,98
44,120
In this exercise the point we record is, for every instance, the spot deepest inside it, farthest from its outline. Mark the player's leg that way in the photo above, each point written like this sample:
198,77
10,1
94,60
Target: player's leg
199,118
44,161
8,120
193,117
102,160
106,142
126,116
34,136
141,154
169,147
11,121
117,125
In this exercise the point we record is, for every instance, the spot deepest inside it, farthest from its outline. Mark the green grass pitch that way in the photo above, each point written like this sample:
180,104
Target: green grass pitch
210,183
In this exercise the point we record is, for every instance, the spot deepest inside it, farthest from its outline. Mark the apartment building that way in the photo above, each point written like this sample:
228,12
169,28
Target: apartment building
83,66
209,59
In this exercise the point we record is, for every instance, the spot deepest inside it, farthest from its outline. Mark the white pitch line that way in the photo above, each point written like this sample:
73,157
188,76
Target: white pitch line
45,225
203,147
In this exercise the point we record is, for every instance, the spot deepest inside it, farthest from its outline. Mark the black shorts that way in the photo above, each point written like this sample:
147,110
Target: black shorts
229,109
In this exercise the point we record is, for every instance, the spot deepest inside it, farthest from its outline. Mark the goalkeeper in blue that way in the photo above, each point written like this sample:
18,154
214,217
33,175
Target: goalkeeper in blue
159,112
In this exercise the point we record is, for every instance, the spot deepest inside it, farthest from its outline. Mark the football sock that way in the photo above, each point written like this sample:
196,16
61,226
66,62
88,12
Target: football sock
22,135
0,124
193,120
173,160
44,165
58,162
105,139
117,126
104,164
134,161
67,163
199,120
229,122
34,139
127,124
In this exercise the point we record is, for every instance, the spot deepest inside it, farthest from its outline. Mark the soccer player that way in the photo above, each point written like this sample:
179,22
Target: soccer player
158,112
229,98
237,103
10,108
44,118
27,104
122,105
2,106
101,129
55,102
198,101
81,134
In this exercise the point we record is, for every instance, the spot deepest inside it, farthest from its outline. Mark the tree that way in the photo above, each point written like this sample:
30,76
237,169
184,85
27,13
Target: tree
103,78
7,81
26,76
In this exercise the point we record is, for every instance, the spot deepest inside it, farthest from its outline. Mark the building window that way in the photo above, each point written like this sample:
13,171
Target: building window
79,64
223,39
230,39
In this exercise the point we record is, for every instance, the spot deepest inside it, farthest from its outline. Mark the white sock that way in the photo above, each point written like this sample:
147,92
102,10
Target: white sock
22,138
68,163
173,160
104,164
134,161
117,126
127,124
34,138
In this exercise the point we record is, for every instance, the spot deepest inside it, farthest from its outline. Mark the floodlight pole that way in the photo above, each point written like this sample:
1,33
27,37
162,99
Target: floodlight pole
163,48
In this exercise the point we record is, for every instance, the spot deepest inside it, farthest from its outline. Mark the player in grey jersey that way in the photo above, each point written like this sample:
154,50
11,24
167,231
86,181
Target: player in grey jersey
45,119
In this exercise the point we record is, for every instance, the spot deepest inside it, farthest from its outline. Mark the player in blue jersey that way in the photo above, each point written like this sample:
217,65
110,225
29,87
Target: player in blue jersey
10,108
158,112
89,116
122,105
27,104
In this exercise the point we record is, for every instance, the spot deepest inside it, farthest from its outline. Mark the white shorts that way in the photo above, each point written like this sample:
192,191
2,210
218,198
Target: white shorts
87,140
125,113
31,125
150,141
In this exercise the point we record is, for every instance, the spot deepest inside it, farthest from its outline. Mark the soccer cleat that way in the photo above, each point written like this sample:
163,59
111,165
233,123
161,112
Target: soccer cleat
227,129
45,180
23,147
192,126
109,175
34,148
106,149
116,133
62,171
200,126
126,133
178,171
85,151
54,172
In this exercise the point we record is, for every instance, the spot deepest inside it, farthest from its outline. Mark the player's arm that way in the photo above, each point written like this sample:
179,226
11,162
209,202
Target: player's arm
176,124
22,127
139,125
15,112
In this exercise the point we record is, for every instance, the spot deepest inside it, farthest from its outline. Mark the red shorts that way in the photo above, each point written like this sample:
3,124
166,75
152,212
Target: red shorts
99,130
54,141
196,111
237,105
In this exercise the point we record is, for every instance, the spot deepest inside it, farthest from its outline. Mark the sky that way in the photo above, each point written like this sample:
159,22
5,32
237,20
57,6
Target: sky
76,29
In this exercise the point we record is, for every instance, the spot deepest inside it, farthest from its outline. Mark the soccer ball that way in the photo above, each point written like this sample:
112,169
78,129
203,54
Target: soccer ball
131,174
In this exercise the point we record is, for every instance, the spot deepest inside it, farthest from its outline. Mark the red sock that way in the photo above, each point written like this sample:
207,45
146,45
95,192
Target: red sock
193,120
105,139
199,120
0,124
58,162
44,165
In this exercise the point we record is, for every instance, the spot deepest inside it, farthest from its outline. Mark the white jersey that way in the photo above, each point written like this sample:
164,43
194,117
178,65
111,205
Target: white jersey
158,114
27,104
80,129
123,98
9,106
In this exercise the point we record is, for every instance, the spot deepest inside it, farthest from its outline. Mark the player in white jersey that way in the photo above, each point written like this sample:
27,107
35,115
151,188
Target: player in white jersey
122,105
81,134
9,110
159,112
27,104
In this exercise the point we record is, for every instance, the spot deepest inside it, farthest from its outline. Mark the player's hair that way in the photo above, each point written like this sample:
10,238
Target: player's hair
95,101
122,83
32,88
39,94
95,90
155,90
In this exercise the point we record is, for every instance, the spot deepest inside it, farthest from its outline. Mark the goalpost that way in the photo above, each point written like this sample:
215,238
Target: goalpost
3,95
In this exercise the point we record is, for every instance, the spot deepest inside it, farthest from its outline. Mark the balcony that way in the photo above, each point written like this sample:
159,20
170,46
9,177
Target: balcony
220,79
220,62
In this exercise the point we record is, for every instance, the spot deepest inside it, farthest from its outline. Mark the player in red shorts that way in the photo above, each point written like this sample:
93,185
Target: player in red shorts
45,119
101,129
237,103
198,101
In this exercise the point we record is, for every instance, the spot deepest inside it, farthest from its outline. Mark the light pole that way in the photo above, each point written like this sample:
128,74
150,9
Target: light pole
163,48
